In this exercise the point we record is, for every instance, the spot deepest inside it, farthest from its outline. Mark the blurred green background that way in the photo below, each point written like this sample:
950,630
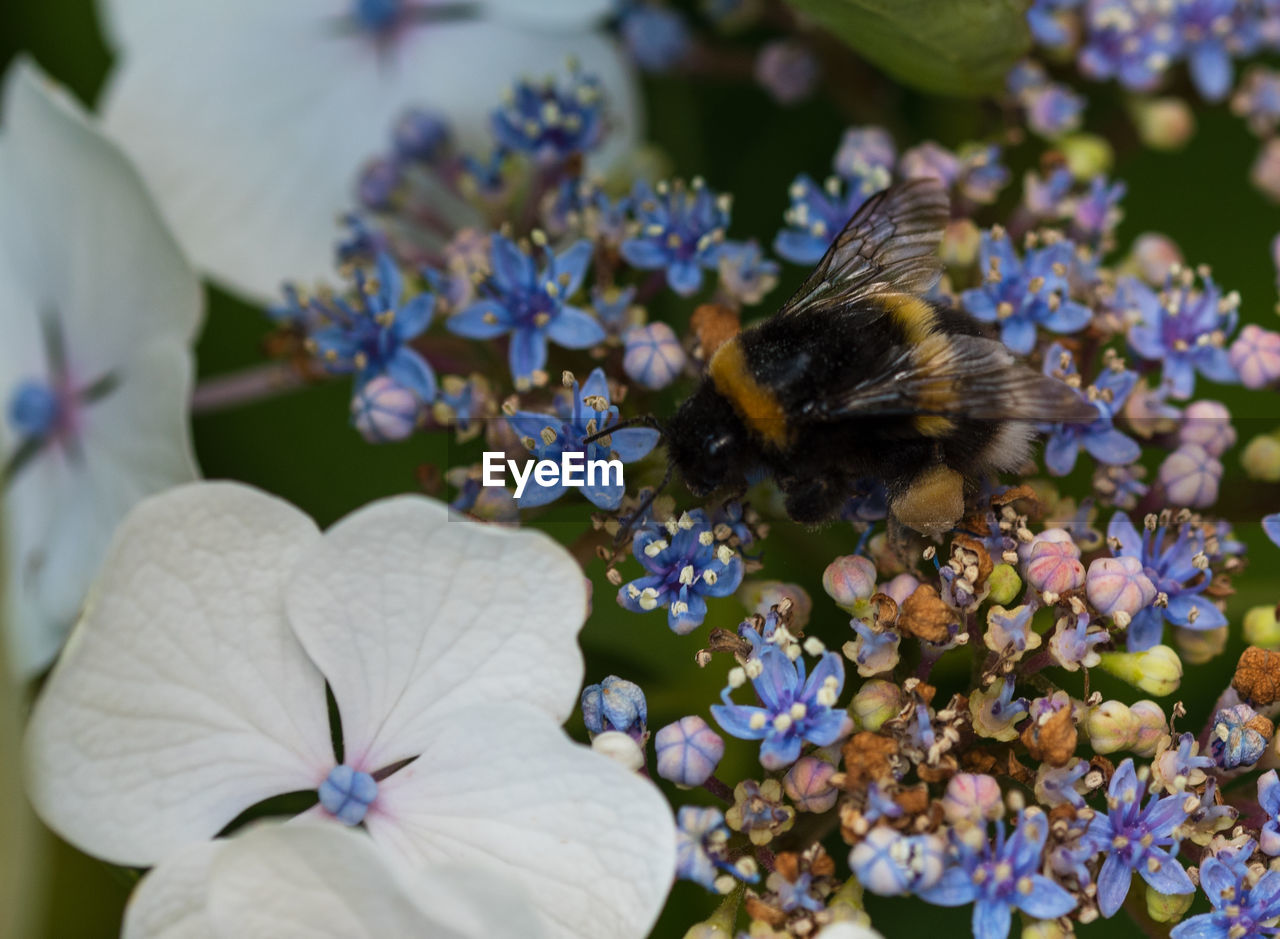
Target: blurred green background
730,132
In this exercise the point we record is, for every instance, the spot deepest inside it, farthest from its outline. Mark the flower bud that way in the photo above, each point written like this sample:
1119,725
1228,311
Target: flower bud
1255,355
653,356
760,596
808,785
1167,907
901,587
1151,726
1197,646
890,863
378,182
1054,567
850,581
960,243
1111,726
876,701
615,704
1261,459
972,798
1261,627
708,931
688,751
1005,584
1153,255
620,748
1157,671
384,410
420,135
1088,155
1239,736
1190,476
1119,585
1163,123
1045,929
1208,423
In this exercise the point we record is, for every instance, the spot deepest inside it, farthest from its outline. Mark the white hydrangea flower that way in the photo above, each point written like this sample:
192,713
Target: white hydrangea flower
98,309
195,687
251,119
308,879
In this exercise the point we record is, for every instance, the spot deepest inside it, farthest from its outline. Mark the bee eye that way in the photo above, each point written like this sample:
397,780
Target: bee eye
717,445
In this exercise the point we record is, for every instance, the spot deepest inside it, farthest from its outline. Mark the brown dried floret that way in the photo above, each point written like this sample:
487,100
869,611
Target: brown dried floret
1024,494
925,616
1261,725
1257,676
868,757
1052,739
763,912
714,325
971,545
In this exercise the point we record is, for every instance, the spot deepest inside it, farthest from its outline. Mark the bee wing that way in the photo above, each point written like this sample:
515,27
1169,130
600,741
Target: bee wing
964,376
889,245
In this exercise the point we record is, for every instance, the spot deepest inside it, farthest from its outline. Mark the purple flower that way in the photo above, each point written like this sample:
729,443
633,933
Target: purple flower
678,230
1022,293
368,334
1212,33
1239,910
818,213
1269,802
529,303
1099,438
1053,110
1044,18
1185,330
788,70
702,847
745,273
890,863
1130,42
1119,585
685,567
1137,838
383,411
1176,563
795,708
864,152
656,35
586,411
551,124
1257,100
1097,212
1001,876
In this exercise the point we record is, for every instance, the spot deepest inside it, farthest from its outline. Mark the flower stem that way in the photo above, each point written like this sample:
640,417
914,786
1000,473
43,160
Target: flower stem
237,389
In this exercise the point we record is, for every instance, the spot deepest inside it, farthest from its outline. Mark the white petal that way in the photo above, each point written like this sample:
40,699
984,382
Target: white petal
182,696
83,233
412,613
316,879
251,120
63,508
171,901
503,788
550,14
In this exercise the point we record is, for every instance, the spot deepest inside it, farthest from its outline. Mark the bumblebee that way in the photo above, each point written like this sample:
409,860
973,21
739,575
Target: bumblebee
858,376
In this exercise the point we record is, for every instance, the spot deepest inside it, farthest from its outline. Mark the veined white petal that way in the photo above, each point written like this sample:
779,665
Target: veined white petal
311,880
83,234
182,696
251,120
82,246
171,902
502,788
413,613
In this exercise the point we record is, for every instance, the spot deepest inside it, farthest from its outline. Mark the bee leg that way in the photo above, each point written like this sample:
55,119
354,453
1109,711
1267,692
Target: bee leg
931,502
813,500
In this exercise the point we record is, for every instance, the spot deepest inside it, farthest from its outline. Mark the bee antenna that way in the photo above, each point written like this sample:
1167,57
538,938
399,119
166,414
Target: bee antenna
647,419
629,522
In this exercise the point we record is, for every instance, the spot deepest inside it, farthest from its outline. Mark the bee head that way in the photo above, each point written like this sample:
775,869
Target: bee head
707,443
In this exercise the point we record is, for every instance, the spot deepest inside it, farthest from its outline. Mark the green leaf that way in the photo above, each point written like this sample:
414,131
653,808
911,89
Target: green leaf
950,47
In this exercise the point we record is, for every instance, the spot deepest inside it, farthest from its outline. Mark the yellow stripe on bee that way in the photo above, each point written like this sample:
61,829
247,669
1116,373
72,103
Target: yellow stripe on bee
915,317
758,406
934,425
